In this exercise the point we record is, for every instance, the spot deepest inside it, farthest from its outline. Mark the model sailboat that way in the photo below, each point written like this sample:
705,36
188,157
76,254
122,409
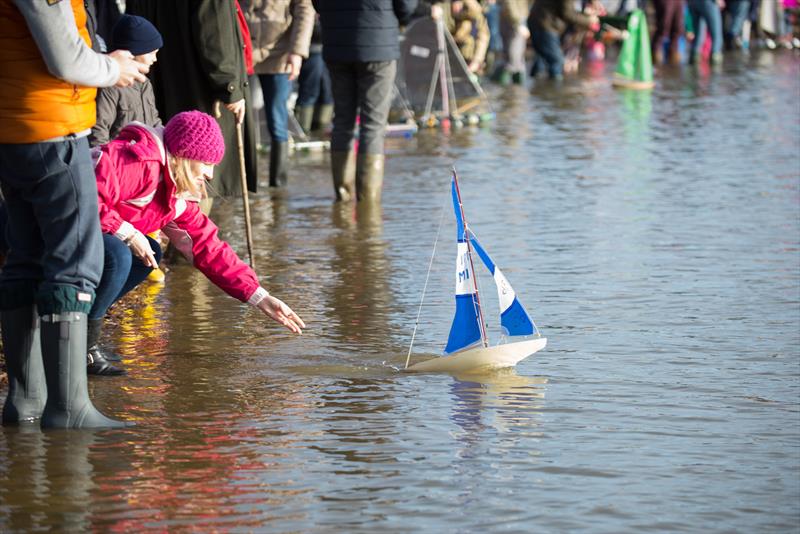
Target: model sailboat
467,345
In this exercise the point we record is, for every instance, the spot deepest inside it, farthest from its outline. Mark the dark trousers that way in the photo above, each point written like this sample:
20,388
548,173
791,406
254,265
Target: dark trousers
669,23
53,233
364,90
122,271
548,52
314,82
276,89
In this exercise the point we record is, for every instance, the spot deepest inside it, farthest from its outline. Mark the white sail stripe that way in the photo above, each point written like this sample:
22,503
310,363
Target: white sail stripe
505,292
464,285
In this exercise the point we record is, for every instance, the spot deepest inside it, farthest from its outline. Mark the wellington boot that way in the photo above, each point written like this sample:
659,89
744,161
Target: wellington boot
93,332
278,163
98,361
97,364
343,168
27,389
304,116
64,352
369,177
323,115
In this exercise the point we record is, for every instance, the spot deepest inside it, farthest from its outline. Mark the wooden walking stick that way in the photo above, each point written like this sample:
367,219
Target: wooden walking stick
243,176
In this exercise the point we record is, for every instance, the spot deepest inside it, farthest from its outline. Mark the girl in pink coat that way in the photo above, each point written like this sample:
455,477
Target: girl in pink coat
148,180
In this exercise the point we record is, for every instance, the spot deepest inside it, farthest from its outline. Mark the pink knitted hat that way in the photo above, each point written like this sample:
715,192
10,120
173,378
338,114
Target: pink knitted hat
194,135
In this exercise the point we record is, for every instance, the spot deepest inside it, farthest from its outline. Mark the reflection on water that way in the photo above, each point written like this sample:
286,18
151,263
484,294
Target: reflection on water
655,238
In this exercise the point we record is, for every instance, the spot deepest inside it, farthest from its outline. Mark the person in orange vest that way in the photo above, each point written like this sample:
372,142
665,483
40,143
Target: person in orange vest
48,75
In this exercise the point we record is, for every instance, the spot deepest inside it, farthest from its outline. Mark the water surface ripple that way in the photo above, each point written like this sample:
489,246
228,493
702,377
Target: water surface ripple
655,238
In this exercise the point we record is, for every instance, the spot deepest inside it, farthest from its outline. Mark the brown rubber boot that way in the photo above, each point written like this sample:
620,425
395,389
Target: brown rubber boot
343,168
369,177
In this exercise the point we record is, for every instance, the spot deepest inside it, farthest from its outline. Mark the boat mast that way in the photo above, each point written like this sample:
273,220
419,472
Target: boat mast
484,340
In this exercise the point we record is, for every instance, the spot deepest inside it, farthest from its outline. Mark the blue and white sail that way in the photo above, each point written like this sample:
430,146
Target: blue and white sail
514,320
466,329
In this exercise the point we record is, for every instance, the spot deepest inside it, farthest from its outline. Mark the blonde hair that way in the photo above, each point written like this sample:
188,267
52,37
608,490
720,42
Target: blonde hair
182,174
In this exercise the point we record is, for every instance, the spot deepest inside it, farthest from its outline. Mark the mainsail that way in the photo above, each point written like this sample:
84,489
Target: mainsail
466,328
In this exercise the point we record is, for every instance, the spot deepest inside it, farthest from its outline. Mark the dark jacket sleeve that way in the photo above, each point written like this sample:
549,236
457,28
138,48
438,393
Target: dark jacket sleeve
217,40
571,16
404,10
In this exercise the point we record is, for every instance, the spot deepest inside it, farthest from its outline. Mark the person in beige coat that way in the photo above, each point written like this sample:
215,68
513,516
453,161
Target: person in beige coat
281,34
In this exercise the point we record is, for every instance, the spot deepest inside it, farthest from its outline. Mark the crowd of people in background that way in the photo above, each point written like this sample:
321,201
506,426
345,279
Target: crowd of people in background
173,125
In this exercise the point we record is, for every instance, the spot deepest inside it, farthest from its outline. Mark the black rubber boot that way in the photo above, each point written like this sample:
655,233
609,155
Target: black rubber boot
93,333
98,362
278,163
343,169
369,177
27,390
64,352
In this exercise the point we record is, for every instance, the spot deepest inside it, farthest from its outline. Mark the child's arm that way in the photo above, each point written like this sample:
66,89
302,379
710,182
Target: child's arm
107,111
196,238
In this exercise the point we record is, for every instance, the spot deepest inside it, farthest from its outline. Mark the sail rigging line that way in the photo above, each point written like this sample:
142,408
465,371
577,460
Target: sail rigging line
477,300
477,283
427,277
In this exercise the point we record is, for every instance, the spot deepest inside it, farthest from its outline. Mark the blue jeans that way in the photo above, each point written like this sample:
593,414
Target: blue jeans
314,83
706,13
276,89
738,9
122,271
365,89
548,52
53,228
493,21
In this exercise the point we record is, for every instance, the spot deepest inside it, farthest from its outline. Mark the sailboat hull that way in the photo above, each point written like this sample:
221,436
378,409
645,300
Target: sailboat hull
496,357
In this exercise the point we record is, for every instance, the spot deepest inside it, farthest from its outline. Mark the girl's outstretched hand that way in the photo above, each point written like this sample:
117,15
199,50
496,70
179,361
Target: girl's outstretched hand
281,313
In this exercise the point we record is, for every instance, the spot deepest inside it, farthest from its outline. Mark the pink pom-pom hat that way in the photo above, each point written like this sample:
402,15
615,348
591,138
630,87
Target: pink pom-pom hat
194,135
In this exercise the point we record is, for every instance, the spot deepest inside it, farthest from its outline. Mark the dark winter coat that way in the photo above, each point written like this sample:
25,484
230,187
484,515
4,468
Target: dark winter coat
202,62
118,106
555,15
362,30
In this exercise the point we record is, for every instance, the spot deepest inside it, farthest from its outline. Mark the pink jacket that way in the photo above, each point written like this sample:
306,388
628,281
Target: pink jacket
135,190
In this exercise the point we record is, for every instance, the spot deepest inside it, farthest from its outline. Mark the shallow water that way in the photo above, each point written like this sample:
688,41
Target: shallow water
655,239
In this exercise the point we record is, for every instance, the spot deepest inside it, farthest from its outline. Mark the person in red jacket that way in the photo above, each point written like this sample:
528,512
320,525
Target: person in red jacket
151,179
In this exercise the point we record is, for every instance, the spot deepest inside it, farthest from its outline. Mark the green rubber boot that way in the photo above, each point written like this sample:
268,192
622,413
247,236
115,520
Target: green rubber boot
63,338
343,169
369,177
304,116
323,115
27,389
